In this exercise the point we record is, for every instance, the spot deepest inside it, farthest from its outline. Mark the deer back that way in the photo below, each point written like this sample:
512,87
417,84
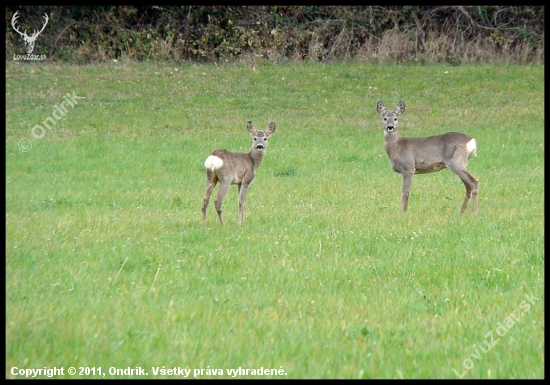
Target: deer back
431,153
237,166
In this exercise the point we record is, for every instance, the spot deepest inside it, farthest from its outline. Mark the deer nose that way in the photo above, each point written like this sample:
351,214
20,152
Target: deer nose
260,147
390,127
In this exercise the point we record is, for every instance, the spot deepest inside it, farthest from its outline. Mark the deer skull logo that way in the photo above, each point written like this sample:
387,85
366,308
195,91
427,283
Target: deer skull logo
29,40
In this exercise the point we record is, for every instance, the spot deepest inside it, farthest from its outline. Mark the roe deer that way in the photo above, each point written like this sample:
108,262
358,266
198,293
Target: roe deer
237,168
409,156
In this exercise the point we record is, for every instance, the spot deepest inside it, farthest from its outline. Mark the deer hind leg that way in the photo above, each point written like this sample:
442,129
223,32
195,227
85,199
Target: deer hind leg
473,189
470,182
466,197
218,202
211,181
407,181
474,196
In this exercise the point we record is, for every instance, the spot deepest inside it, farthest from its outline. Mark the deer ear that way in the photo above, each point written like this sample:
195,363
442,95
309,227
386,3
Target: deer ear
400,108
270,129
381,108
251,128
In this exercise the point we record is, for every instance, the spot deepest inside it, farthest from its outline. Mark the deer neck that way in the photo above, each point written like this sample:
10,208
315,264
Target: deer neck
390,141
256,157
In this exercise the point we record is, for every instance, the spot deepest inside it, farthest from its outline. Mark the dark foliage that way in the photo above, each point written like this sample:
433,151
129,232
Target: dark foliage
453,34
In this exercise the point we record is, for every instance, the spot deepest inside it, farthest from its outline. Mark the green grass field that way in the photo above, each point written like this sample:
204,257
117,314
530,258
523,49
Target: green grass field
108,265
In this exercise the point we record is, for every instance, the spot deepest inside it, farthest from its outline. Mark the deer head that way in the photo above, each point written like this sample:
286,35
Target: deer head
29,40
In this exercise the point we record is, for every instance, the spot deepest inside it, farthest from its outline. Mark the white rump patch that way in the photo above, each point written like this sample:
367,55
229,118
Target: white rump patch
471,147
213,163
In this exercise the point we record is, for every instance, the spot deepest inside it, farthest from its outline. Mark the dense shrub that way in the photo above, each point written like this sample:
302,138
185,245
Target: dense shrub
398,34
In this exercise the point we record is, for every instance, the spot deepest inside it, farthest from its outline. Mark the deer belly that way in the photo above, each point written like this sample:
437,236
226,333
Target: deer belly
425,168
241,178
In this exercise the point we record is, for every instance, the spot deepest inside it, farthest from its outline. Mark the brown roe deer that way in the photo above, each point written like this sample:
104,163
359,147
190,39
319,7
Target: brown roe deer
237,168
409,156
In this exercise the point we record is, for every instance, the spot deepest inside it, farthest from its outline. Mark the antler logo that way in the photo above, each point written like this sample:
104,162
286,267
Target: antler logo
29,40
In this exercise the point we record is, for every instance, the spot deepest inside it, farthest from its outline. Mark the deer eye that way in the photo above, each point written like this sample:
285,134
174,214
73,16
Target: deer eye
385,119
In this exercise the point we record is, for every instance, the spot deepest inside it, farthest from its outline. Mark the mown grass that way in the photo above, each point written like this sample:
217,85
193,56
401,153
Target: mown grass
108,264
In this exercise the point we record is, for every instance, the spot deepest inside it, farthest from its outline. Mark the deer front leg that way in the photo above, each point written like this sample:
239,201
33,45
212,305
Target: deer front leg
218,202
407,181
242,195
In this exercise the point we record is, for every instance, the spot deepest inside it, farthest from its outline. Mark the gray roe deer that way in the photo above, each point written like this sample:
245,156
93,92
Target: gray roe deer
409,156
237,168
